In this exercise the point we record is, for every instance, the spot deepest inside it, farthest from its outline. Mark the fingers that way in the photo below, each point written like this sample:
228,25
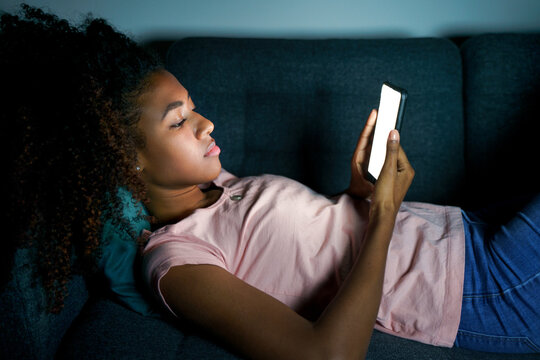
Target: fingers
359,185
364,142
367,133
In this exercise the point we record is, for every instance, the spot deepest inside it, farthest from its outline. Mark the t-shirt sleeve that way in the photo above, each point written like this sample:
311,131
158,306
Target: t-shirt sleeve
164,252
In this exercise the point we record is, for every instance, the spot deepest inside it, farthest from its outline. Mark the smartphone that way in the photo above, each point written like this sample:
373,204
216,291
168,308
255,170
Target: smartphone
389,117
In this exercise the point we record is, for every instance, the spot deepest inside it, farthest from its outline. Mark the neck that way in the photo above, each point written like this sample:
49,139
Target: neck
169,205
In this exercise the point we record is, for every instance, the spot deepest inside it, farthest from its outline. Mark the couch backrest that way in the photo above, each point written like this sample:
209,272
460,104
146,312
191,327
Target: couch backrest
297,107
502,115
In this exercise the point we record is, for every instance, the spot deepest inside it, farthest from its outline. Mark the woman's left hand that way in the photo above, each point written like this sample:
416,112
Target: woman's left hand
360,186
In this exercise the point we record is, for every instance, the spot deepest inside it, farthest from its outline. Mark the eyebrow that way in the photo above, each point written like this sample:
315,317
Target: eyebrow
172,106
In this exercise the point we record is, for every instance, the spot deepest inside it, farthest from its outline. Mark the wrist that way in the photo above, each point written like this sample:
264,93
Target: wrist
382,212
381,225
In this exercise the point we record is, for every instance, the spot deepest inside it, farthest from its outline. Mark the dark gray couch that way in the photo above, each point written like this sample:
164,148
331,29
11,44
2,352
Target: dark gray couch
296,108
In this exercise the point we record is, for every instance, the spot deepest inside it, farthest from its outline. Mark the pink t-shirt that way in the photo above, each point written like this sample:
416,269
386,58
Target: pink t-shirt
297,246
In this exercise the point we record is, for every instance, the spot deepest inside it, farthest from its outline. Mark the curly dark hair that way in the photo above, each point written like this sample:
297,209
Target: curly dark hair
69,136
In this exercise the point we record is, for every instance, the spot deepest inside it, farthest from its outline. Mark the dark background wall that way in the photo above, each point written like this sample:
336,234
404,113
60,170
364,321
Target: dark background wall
162,20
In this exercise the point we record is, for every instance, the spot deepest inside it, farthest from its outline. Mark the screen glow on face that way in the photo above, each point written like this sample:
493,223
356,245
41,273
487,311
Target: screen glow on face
386,122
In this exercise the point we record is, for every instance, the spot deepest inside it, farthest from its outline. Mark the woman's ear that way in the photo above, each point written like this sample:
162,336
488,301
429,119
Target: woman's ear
139,165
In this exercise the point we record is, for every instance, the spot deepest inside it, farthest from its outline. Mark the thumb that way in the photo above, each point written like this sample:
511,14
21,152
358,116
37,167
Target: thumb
392,151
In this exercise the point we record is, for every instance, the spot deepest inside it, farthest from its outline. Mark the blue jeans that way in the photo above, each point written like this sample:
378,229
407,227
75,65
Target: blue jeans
501,291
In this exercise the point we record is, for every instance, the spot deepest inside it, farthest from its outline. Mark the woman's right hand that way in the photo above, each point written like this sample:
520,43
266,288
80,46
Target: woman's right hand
394,180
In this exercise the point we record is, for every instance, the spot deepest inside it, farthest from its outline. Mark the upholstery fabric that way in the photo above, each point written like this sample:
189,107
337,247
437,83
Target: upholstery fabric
108,330
502,115
28,330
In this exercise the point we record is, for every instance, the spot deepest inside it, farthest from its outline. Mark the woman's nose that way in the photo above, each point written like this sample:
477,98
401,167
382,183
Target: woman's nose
204,127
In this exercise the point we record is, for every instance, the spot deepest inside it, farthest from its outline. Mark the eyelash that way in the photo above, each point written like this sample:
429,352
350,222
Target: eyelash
179,124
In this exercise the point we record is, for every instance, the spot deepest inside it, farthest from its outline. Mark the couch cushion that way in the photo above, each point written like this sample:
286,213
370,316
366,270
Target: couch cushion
388,347
28,330
107,330
297,107
502,115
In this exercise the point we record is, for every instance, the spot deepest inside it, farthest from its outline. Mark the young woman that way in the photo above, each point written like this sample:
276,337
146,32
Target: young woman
179,154
264,263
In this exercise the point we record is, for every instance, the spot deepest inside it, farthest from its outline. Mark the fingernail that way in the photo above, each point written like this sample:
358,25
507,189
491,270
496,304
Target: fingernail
394,136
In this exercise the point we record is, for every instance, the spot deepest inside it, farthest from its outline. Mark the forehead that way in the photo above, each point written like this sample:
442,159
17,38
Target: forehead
164,88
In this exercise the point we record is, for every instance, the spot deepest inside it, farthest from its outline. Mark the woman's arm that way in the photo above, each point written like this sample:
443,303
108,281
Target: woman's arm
261,327
354,309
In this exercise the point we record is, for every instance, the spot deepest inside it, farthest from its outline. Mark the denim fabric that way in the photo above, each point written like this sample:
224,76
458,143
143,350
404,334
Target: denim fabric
501,294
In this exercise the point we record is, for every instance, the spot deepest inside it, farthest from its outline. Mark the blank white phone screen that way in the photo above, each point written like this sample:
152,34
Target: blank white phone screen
386,122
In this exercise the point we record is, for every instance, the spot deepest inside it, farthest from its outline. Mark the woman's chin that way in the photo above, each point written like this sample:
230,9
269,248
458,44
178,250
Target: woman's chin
216,170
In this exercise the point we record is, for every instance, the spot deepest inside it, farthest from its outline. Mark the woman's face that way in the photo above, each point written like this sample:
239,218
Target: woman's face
178,151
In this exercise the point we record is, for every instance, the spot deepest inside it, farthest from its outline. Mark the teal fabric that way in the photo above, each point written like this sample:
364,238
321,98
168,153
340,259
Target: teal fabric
120,254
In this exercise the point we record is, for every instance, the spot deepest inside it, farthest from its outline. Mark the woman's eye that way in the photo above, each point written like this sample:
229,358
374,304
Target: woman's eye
178,124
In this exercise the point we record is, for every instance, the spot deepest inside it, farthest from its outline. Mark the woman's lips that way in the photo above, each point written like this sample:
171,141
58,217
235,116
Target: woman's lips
213,150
